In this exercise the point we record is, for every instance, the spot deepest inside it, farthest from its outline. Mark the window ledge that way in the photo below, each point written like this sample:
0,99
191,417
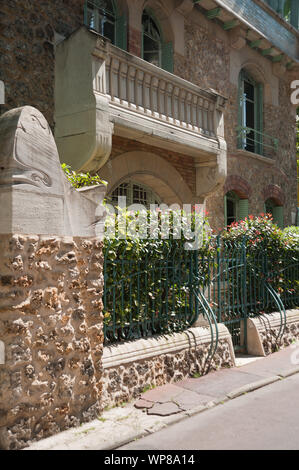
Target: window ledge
245,153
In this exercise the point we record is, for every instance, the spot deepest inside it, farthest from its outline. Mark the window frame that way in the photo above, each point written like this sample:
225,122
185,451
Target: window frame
99,20
250,140
153,198
152,19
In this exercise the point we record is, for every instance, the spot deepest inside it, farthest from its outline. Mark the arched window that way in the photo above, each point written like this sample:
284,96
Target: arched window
275,210
235,208
250,134
154,49
135,193
102,16
152,41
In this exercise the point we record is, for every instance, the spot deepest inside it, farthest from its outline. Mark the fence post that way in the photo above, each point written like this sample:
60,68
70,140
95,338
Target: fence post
245,313
219,279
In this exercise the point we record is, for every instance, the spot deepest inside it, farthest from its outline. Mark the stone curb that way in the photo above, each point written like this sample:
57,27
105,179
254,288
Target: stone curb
253,386
199,409
289,372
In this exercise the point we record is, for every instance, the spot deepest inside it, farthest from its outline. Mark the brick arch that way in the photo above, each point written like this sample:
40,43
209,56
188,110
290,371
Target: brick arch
151,170
239,185
273,191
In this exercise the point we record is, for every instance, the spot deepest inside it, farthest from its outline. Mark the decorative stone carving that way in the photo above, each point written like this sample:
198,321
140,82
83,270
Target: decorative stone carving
35,196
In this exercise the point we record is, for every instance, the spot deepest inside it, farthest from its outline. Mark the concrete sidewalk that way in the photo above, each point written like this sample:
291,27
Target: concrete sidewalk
162,406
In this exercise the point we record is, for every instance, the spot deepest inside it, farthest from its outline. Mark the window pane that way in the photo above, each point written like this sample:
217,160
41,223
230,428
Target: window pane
109,31
249,90
151,51
231,211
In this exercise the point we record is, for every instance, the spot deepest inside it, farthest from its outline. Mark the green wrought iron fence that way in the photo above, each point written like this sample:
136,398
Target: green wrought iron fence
167,291
148,295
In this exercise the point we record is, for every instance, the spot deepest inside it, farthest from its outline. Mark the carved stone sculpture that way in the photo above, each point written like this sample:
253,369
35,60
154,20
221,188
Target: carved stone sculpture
35,196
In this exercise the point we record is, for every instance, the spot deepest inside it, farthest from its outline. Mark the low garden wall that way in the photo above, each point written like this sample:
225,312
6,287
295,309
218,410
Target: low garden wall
135,366
269,332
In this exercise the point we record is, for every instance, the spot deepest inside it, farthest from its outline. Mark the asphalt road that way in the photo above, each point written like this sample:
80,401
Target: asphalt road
266,419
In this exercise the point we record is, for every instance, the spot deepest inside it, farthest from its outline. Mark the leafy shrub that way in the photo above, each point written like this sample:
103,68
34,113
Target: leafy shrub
149,281
271,256
80,180
256,232
290,237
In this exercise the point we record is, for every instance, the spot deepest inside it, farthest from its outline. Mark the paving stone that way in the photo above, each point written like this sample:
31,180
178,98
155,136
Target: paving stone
219,383
188,400
162,394
143,404
164,409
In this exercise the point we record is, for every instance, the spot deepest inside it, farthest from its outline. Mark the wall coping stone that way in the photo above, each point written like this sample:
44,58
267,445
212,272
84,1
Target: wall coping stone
142,349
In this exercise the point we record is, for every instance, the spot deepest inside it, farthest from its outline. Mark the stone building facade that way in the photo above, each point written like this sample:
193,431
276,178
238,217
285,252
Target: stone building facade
127,119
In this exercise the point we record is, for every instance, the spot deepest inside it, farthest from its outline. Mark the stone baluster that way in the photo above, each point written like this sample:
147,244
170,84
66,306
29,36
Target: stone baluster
182,107
194,113
123,82
176,105
161,98
168,101
138,87
188,113
200,114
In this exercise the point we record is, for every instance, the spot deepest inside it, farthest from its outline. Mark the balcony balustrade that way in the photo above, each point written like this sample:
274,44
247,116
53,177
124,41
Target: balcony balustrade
102,90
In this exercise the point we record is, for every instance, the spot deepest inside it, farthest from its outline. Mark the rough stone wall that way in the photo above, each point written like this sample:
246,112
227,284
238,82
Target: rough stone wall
125,382
207,64
51,324
27,49
271,341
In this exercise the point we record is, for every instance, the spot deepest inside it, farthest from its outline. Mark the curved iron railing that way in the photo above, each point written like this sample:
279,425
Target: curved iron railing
163,292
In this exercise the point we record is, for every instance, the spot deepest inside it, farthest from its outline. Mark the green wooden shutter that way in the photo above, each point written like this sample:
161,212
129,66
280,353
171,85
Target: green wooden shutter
259,117
167,56
121,32
142,45
243,209
85,13
240,110
225,210
278,216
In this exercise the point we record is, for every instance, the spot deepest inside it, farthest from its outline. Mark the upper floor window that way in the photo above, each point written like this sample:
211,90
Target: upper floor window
250,134
100,16
152,41
104,17
154,48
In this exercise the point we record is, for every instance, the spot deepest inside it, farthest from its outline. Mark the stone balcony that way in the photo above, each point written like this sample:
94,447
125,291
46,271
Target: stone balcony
102,90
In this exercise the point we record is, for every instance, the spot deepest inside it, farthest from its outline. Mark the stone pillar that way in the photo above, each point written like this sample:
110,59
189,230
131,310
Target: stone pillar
51,282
